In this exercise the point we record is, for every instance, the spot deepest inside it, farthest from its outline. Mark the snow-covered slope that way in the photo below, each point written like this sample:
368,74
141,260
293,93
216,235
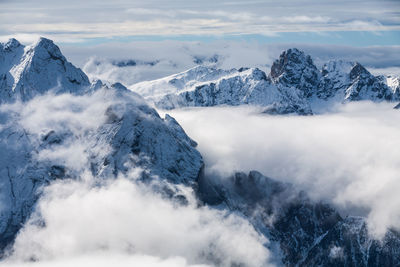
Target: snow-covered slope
178,83
32,70
392,82
294,85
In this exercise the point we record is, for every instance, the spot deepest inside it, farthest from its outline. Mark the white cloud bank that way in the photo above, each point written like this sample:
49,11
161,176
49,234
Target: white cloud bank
128,223
349,157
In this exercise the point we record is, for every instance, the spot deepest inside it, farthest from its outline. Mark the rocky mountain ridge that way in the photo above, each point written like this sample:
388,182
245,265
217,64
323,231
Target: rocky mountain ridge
294,85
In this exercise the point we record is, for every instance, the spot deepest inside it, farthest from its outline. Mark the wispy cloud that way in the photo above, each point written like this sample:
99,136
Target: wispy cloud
123,18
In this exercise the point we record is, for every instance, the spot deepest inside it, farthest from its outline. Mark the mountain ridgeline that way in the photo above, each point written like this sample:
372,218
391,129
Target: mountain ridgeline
125,132
294,85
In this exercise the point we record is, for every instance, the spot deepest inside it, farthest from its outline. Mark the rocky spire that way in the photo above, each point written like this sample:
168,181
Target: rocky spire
296,69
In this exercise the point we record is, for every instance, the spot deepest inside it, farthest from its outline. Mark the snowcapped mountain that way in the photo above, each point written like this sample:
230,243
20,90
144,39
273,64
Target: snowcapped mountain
351,81
294,85
295,69
127,132
177,83
206,86
31,70
50,113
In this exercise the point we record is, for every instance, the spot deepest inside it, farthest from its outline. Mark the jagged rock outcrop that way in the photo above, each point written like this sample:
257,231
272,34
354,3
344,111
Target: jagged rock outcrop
307,233
350,81
296,69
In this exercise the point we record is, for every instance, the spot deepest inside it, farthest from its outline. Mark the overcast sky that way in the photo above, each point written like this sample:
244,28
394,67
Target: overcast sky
245,33
94,20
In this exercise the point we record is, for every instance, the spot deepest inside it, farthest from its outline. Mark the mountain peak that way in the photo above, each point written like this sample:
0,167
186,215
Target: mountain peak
287,57
295,69
37,69
290,58
44,45
358,70
11,44
43,42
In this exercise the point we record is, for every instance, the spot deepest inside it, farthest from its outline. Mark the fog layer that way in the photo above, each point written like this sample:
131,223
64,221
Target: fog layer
349,157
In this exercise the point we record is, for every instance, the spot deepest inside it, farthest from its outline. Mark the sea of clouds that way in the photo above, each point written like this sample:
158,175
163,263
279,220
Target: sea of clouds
348,157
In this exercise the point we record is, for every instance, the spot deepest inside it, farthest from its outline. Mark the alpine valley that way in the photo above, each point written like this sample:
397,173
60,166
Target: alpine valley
49,109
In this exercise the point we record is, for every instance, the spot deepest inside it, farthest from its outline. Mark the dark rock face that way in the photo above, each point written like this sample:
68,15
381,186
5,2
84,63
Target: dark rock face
397,106
308,233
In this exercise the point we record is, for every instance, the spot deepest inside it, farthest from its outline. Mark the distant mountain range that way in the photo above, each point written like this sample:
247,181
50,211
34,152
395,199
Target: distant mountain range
304,233
294,85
